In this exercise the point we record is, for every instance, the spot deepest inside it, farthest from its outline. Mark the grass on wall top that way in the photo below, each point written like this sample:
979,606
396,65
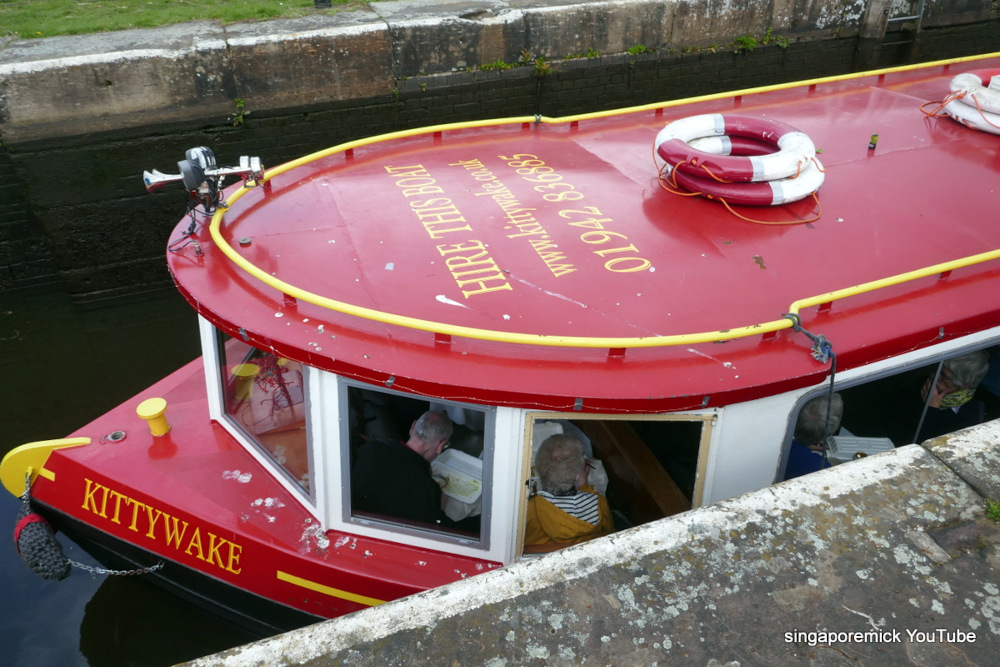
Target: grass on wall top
27,19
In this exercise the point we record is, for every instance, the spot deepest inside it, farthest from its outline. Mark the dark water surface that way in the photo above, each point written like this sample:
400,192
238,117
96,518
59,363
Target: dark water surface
63,366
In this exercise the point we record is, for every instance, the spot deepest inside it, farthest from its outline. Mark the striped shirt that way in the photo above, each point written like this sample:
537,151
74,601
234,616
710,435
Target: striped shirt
582,505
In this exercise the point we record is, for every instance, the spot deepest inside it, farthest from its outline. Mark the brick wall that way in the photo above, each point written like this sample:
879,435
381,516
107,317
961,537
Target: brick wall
25,260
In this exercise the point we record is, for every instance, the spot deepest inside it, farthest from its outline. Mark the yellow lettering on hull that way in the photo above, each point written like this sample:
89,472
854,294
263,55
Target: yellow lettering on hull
155,524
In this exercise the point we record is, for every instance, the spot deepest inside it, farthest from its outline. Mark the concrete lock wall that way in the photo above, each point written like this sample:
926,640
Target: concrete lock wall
82,117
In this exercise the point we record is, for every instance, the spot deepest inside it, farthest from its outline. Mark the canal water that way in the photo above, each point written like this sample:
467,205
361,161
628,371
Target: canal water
62,366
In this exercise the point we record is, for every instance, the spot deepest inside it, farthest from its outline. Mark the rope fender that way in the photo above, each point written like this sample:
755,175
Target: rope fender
36,544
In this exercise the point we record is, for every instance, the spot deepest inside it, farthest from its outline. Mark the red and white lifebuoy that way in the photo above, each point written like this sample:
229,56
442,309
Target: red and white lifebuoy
972,102
763,193
973,88
741,159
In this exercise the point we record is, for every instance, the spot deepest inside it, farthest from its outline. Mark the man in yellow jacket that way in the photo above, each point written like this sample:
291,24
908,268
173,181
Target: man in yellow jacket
566,510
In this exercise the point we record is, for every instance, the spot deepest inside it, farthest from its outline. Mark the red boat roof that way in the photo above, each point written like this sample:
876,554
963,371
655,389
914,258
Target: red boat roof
543,264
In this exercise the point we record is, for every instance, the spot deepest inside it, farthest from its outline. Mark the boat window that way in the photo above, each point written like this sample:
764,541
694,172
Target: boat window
647,469
911,406
264,397
394,486
925,402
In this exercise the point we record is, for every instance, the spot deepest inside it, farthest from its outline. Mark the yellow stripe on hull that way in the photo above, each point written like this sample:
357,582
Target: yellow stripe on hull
327,590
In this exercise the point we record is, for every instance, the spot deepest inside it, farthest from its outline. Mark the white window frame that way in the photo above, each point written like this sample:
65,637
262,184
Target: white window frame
216,410
499,532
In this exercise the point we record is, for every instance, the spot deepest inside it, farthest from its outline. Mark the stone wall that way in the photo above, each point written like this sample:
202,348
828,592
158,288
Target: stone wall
82,117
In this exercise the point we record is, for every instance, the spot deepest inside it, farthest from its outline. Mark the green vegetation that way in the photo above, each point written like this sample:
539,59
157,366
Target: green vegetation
993,510
637,49
777,40
239,116
542,67
745,43
46,18
496,65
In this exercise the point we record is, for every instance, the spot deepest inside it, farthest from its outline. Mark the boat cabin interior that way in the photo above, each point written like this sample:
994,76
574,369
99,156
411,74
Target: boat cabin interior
647,466
896,406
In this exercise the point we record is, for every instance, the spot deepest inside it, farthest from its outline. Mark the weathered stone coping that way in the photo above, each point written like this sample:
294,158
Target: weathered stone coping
893,547
69,86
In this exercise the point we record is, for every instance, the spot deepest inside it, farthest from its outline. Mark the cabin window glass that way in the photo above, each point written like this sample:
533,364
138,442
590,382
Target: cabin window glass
389,485
264,397
647,469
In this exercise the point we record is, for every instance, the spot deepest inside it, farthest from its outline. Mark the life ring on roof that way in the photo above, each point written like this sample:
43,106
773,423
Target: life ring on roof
973,89
791,149
973,103
740,159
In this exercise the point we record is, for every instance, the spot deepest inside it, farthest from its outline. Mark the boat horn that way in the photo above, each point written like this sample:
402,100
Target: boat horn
201,177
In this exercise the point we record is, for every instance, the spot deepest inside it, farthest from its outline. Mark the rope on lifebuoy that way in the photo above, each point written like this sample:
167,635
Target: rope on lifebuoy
973,89
739,160
787,149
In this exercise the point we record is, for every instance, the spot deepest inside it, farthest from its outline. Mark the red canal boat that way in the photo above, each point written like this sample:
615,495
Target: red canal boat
601,274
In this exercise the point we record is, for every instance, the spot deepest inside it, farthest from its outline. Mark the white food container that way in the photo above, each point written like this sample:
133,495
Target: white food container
459,474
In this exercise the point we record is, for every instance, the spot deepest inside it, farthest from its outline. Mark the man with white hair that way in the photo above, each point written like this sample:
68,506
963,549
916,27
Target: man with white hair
393,477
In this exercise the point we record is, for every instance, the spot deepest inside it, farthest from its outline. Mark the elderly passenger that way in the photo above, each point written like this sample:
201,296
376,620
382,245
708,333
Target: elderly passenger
566,510
950,402
393,477
819,417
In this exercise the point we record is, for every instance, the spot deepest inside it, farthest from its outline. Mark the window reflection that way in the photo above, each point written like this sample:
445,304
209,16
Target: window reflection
264,396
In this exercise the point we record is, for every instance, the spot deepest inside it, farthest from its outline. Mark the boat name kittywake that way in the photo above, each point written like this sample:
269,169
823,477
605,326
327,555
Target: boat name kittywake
471,266
157,525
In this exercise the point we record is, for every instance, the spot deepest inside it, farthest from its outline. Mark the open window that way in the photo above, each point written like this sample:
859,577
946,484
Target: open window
924,402
651,467
910,404
389,486
264,398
